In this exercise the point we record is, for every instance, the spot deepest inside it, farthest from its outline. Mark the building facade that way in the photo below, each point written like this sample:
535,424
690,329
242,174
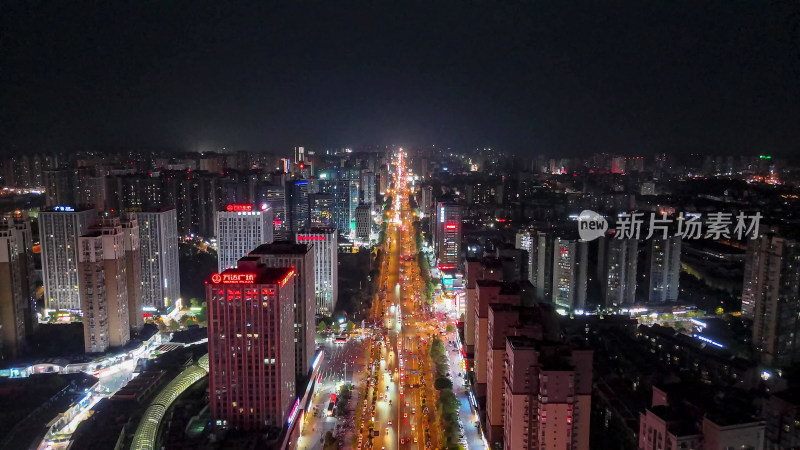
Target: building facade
251,370
570,263
363,223
326,267
665,269
616,269
447,235
300,257
17,304
241,228
133,270
772,288
158,244
547,396
59,230
104,286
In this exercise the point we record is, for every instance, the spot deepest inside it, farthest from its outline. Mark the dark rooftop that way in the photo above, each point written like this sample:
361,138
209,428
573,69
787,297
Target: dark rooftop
280,247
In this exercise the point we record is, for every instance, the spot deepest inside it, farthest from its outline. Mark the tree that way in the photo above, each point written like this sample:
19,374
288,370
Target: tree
449,328
350,326
322,326
442,383
162,327
173,324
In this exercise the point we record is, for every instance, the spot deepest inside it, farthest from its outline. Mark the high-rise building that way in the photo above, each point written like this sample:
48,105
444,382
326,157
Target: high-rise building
665,269
300,257
772,290
616,269
251,370
16,299
426,200
103,286
158,244
506,320
343,186
321,210
133,270
59,230
59,187
241,228
675,423
297,209
363,222
447,235
476,270
570,262
326,267
541,267
491,292
368,188
547,395
275,196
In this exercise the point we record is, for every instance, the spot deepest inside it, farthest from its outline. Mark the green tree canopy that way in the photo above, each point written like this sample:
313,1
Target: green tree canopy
442,383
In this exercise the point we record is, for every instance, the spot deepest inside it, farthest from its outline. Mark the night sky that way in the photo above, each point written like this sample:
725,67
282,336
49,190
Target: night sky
536,77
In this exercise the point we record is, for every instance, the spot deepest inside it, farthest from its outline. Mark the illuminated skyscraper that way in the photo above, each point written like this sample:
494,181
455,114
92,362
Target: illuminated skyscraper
59,229
158,242
326,267
616,270
665,269
447,235
569,273
241,228
772,291
300,257
251,369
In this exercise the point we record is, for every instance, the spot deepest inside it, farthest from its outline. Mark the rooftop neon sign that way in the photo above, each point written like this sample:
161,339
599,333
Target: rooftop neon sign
235,207
233,278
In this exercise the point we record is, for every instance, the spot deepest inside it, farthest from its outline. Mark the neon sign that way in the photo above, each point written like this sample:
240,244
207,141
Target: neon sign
446,266
310,238
293,414
64,208
233,278
287,278
450,226
233,207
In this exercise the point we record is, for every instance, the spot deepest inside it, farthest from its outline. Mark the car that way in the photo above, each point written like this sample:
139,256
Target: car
415,439
405,415
413,428
389,422
413,410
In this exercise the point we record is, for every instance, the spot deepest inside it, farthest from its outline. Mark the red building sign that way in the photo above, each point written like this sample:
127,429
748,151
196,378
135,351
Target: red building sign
233,278
239,207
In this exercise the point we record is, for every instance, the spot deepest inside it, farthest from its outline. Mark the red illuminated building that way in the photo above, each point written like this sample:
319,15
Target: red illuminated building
251,373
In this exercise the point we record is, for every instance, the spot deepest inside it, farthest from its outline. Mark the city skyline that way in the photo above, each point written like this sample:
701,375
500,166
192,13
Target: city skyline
638,78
